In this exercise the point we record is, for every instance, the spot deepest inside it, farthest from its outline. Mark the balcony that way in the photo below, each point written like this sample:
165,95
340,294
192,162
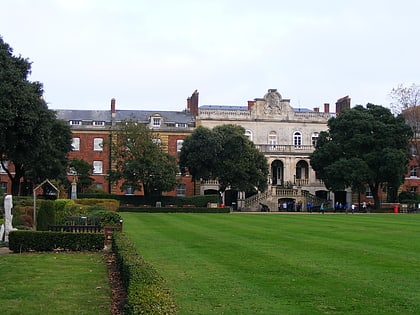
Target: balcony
285,149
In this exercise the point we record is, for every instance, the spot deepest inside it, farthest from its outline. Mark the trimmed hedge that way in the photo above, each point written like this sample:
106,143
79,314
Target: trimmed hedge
24,241
174,210
198,200
146,289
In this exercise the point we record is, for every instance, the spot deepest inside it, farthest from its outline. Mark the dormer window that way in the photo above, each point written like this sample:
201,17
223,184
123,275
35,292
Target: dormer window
156,121
75,122
98,123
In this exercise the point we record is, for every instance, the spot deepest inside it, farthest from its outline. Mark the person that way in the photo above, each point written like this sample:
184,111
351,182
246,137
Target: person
321,208
299,206
364,206
353,206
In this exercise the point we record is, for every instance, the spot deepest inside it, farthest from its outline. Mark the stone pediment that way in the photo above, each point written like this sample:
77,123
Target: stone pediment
273,105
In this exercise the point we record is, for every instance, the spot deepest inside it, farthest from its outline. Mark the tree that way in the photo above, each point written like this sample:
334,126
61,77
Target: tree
31,137
140,161
82,170
364,146
406,101
225,154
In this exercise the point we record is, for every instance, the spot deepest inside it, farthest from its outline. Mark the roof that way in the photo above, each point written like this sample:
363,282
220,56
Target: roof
140,115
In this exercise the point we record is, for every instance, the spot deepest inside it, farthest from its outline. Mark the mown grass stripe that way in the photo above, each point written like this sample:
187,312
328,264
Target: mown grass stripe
284,264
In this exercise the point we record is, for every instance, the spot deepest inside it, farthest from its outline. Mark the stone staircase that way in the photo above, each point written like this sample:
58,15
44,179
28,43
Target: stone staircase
274,193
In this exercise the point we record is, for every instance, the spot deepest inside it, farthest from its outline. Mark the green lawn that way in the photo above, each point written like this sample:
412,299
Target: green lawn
286,263
51,284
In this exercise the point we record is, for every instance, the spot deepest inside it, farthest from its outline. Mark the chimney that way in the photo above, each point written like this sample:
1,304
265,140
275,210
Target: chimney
250,104
316,109
326,107
342,104
113,106
192,104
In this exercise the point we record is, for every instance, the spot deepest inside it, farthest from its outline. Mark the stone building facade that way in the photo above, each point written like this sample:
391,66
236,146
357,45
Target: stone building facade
286,135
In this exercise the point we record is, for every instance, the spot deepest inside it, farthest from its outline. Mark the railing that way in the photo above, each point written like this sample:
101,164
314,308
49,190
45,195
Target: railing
75,228
285,149
253,200
225,114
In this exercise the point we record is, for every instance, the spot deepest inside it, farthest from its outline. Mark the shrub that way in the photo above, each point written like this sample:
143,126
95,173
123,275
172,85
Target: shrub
23,241
108,218
44,215
146,289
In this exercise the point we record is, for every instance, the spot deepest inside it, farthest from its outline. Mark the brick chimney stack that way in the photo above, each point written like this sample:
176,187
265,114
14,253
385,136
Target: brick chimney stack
112,105
316,109
192,104
250,104
326,107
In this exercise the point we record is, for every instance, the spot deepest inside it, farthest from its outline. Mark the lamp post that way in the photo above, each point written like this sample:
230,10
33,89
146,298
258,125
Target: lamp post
74,183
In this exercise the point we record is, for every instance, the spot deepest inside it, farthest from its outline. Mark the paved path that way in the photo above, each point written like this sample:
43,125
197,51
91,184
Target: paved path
5,250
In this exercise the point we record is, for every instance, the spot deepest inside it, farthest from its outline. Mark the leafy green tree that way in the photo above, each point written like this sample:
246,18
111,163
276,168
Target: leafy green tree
140,161
225,154
82,170
364,146
31,137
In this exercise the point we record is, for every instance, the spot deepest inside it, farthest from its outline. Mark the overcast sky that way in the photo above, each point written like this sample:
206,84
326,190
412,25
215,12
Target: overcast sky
154,54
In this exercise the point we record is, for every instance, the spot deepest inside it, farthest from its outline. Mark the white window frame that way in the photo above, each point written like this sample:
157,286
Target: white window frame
98,123
272,140
97,167
156,122
75,122
6,164
98,144
181,190
248,133
179,144
297,140
75,144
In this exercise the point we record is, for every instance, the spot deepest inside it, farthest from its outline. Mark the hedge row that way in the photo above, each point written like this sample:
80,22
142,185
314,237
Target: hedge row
24,241
174,210
146,289
198,200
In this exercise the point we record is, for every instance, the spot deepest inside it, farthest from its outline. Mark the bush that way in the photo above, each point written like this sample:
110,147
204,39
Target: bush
24,241
146,289
174,210
44,215
111,205
108,218
61,210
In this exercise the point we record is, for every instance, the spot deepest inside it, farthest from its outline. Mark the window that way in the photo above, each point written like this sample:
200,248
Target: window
157,141
98,123
368,192
180,190
156,121
413,189
97,167
413,149
98,144
76,144
75,122
248,133
179,144
314,138
181,125
98,186
6,165
3,187
413,171
272,140
297,140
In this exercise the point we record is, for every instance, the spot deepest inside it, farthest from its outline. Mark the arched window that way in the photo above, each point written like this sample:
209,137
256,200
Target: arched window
272,140
248,133
315,136
297,139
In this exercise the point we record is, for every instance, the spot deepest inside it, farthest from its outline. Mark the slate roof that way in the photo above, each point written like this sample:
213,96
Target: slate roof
140,115
93,115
